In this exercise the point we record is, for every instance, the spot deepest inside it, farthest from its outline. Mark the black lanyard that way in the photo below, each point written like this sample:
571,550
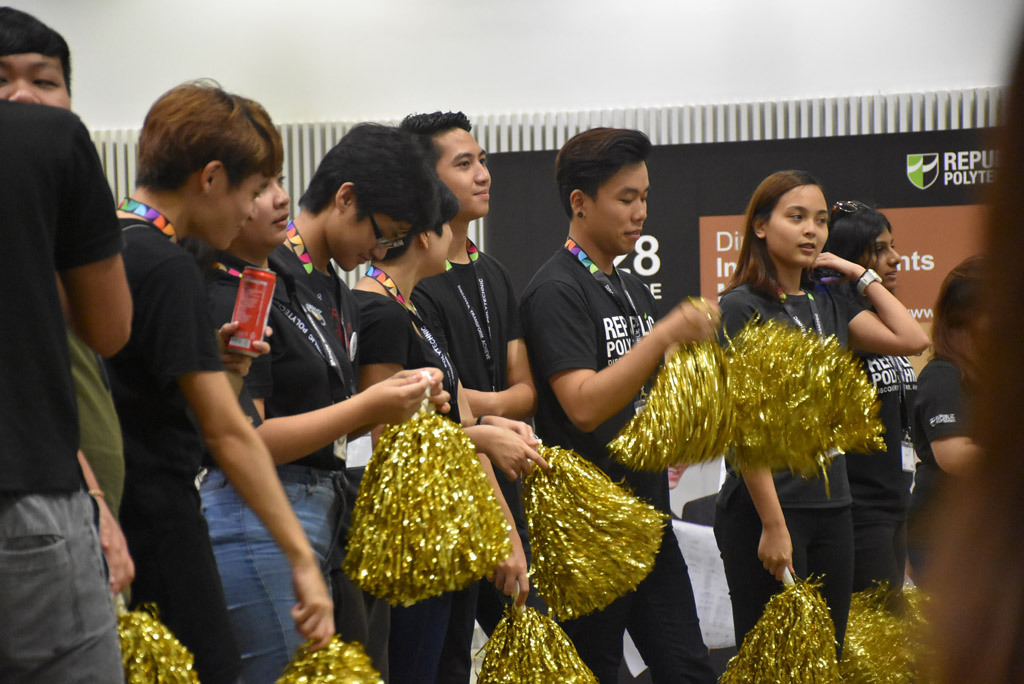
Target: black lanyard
626,306
446,363
791,311
484,337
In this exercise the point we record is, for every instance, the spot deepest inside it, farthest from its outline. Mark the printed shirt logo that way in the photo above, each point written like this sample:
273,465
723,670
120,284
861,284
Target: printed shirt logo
942,418
923,169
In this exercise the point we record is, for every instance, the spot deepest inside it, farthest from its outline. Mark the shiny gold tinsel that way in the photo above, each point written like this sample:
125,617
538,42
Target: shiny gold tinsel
799,398
529,648
426,520
793,642
149,652
592,541
337,662
688,415
884,638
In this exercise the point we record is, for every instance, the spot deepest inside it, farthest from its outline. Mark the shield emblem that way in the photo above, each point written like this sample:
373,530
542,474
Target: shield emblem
923,169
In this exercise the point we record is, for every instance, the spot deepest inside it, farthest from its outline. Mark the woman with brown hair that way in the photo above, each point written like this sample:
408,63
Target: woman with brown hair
774,522
942,424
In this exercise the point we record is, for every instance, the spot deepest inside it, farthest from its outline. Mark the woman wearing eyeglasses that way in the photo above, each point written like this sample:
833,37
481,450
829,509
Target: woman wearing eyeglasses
766,523
880,481
394,337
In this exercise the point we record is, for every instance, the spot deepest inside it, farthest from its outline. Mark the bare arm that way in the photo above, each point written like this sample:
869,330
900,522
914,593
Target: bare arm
245,460
775,549
956,454
591,397
519,400
889,329
99,304
115,546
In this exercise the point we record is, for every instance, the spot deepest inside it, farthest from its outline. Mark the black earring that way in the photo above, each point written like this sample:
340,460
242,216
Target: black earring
580,214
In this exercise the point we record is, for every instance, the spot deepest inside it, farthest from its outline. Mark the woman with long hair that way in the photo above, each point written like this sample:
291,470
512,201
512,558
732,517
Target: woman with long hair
766,523
942,422
880,481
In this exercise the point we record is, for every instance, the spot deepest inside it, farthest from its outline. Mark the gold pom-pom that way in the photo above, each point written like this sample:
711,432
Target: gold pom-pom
150,654
688,414
426,520
338,662
884,638
794,641
592,541
800,398
529,648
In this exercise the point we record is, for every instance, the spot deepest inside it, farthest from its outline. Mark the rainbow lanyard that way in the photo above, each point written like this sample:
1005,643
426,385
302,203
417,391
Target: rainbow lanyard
627,307
298,247
228,269
150,214
389,285
471,251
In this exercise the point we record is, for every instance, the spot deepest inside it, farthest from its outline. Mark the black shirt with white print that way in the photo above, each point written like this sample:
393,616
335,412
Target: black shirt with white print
570,321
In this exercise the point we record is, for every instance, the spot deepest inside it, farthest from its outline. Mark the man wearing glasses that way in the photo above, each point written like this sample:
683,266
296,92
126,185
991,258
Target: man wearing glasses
368,192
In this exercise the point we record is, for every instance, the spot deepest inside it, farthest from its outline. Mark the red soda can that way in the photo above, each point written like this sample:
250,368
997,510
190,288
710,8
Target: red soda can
252,308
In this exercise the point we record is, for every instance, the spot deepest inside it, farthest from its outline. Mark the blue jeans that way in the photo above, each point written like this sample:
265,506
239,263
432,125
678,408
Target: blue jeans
257,577
56,617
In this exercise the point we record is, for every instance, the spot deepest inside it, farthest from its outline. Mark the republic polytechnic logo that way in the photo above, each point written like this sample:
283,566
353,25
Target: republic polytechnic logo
923,169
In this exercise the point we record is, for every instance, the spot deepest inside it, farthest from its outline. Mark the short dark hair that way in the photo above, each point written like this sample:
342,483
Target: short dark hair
433,124
389,171
196,123
20,33
590,158
447,208
853,228
959,306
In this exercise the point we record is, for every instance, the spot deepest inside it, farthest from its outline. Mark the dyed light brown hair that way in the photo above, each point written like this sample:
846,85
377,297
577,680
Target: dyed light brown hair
196,123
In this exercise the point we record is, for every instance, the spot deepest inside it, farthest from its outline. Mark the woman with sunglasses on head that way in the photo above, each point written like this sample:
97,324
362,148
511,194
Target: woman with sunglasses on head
948,383
204,157
767,523
395,337
301,397
879,481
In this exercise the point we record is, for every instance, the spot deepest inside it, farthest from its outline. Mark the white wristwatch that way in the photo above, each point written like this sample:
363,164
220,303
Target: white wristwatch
869,277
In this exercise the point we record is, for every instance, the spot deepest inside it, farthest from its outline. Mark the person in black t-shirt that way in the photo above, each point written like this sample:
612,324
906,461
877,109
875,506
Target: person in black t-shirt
942,429
880,481
204,157
60,235
473,310
594,349
396,337
302,393
764,524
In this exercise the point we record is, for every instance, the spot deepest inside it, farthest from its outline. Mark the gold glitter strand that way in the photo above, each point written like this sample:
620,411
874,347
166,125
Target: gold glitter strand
794,641
884,638
799,399
529,648
150,654
426,520
592,541
687,417
338,662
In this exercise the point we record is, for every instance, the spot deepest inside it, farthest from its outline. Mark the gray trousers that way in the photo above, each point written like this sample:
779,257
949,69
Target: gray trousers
57,619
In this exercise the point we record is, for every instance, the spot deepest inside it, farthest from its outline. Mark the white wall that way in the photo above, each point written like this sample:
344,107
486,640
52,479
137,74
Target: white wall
313,60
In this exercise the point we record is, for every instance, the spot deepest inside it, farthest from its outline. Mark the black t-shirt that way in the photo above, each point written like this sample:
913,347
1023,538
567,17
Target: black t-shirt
172,334
571,322
440,303
57,214
392,334
940,411
836,310
878,483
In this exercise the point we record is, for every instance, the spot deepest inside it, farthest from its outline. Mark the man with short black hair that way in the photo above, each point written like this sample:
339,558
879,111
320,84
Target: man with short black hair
472,308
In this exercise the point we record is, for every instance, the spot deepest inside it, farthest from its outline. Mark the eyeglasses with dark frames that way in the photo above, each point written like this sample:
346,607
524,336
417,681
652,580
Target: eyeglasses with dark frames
382,241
